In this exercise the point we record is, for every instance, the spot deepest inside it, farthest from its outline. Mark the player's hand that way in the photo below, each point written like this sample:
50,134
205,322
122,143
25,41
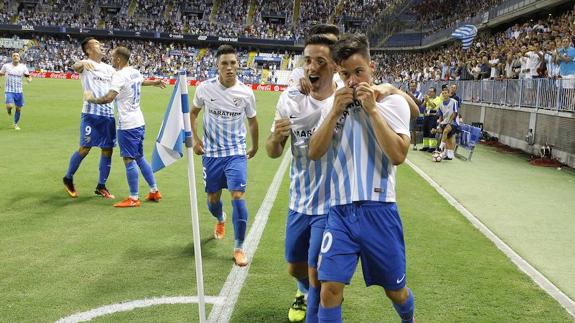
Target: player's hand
366,95
343,98
384,90
252,152
88,96
282,128
88,66
305,85
199,147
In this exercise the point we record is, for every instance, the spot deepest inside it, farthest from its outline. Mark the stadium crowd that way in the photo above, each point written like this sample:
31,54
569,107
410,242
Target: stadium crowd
525,51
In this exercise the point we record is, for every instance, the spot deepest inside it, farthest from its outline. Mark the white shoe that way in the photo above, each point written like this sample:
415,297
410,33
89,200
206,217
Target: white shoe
16,127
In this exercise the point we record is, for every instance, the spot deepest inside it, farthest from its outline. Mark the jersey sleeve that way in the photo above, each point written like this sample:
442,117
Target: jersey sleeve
250,108
26,71
295,76
281,108
395,110
117,82
198,100
3,69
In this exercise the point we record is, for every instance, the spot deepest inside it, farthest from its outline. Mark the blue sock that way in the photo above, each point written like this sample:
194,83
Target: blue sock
312,305
331,315
240,220
303,285
405,310
75,161
216,210
105,166
16,117
147,172
133,178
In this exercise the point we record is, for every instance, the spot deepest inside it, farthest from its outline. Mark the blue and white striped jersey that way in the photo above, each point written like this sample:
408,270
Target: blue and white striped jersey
14,74
362,171
98,82
446,109
225,110
309,179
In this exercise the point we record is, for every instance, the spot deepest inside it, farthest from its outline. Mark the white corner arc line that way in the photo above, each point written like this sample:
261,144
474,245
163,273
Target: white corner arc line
521,263
128,306
222,312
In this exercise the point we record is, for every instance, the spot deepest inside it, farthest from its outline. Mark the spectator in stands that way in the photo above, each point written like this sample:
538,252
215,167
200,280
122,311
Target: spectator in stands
432,103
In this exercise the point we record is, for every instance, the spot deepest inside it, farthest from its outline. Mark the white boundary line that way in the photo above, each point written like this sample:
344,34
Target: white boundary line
222,312
521,263
128,306
223,304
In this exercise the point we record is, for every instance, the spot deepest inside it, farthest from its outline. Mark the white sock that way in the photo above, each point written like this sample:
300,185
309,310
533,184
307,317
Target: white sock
442,145
450,153
134,197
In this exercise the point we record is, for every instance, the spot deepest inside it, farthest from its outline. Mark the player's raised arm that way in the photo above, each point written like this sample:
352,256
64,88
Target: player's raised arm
157,83
320,141
82,65
395,145
384,90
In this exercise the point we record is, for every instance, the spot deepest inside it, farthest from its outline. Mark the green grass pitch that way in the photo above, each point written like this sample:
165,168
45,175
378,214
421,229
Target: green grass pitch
59,256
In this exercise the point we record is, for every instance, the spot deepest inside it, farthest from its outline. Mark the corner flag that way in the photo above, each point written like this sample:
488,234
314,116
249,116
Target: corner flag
466,34
176,131
168,147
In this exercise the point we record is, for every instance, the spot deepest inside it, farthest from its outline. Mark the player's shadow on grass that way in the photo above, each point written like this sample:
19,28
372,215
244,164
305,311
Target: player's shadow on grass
48,201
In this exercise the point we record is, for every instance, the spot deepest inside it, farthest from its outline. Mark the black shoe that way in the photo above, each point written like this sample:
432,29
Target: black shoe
103,191
424,149
447,158
69,187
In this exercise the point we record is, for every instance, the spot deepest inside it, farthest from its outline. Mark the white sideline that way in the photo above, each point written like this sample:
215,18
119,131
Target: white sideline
223,304
222,312
128,306
521,263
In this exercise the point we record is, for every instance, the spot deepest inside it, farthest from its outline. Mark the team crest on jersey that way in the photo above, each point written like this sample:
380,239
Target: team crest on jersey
236,101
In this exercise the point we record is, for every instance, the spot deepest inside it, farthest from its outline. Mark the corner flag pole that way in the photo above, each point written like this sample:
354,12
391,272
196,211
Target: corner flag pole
183,80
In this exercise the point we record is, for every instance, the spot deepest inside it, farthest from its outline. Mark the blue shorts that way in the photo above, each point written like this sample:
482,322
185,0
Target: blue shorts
303,237
131,142
371,231
229,172
97,131
14,98
454,129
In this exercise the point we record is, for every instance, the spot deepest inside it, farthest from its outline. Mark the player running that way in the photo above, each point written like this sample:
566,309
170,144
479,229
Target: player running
125,89
227,101
14,96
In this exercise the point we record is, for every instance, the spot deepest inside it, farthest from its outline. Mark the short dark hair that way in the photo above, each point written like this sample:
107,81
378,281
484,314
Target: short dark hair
324,29
433,88
348,45
85,42
123,52
225,49
319,39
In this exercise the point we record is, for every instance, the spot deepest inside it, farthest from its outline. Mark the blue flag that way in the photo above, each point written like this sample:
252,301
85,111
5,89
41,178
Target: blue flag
170,141
466,34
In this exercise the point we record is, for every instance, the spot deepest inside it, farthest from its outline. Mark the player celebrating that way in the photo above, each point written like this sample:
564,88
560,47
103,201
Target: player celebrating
97,126
227,101
125,89
297,116
363,220
14,72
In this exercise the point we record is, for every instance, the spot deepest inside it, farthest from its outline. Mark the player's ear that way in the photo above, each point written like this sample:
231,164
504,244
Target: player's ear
372,66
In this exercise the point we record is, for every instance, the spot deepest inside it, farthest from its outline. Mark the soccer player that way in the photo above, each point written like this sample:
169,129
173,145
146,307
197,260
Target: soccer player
125,89
448,124
363,220
297,116
297,77
97,125
14,72
227,102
